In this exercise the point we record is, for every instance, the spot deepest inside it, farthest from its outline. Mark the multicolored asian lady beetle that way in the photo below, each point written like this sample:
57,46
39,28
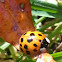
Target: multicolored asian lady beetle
32,43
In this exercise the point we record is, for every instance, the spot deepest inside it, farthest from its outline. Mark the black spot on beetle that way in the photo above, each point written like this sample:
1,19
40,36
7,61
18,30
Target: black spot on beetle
32,34
25,46
21,39
39,40
39,34
29,40
35,45
21,45
21,49
28,52
34,50
24,33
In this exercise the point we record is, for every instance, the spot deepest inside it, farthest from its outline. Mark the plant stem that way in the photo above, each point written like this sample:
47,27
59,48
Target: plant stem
12,51
48,25
55,40
40,20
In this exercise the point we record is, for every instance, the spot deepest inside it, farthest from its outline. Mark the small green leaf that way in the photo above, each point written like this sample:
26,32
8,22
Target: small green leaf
57,56
46,14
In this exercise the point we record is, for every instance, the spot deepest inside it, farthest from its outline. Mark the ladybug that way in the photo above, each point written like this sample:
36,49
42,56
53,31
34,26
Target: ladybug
32,42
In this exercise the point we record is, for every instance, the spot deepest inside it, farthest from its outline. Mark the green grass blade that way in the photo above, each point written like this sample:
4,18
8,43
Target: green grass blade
46,14
58,59
50,24
45,6
12,51
1,41
57,56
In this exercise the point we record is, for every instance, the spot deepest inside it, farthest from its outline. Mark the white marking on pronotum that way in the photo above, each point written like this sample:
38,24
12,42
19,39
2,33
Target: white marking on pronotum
47,40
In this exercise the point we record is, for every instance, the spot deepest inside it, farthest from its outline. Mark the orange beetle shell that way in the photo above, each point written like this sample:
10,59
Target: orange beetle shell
30,42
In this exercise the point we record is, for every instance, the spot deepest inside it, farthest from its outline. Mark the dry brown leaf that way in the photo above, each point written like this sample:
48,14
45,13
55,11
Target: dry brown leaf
15,19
